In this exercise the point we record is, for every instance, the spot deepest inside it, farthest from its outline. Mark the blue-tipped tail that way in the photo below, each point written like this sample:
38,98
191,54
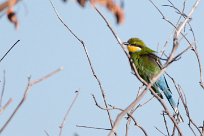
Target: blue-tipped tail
162,84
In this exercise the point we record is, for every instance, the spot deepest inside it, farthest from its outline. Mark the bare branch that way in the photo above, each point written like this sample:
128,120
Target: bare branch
203,129
165,122
27,90
89,61
200,66
93,127
6,105
136,123
67,113
184,102
99,106
178,30
181,27
3,88
113,32
160,131
129,115
47,134
9,50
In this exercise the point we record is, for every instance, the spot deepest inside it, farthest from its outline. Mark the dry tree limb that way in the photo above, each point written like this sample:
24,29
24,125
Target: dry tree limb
26,92
129,118
129,115
89,61
67,113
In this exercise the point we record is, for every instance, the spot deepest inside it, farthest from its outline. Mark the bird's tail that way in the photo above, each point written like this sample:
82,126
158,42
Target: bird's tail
162,83
177,115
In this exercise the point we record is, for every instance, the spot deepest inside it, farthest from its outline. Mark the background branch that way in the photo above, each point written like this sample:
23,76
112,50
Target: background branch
27,90
89,61
67,113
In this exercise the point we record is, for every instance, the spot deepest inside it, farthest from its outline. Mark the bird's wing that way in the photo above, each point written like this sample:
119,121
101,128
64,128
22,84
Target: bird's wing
157,60
148,67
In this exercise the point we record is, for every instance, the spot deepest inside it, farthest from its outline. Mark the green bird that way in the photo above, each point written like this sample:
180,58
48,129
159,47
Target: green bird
148,66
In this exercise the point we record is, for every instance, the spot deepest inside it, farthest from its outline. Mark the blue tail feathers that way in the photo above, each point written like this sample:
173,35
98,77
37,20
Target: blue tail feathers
162,84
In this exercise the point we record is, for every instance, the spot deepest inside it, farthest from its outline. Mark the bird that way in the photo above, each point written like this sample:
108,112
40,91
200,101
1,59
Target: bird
149,65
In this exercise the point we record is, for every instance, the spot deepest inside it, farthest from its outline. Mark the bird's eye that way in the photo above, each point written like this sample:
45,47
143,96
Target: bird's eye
133,49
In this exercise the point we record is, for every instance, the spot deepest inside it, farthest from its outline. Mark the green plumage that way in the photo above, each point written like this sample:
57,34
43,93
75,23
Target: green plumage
146,63
148,66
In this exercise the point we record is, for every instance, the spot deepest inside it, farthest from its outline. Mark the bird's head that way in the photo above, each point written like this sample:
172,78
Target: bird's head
135,45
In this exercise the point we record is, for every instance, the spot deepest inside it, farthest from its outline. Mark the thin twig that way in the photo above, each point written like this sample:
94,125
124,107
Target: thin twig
165,122
129,115
173,131
178,30
47,134
89,61
93,127
99,106
203,129
160,131
200,66
3,88
141,105
113,32
27,90
67,113
136,123
184,102
9,50
6,105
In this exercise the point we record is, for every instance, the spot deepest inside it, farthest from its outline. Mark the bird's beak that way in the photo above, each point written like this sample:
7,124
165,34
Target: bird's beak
125,43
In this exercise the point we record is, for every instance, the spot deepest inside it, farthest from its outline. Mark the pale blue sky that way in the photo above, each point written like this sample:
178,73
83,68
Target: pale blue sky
46,45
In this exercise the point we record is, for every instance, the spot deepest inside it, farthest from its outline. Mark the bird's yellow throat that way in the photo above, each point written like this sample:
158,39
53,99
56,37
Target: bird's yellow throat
132,48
